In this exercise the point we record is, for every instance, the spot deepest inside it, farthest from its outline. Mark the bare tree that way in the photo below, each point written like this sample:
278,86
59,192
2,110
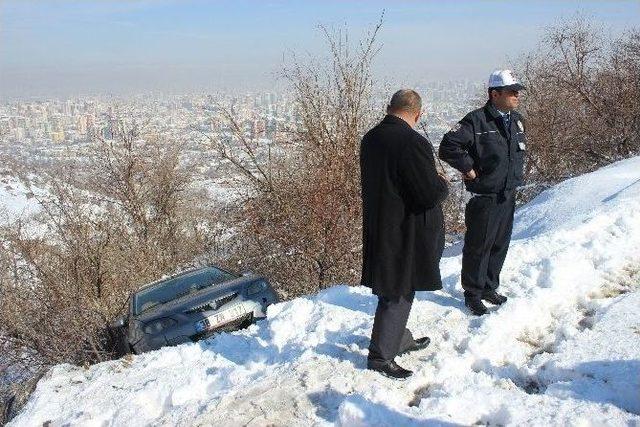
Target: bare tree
301,220
582,101
104,228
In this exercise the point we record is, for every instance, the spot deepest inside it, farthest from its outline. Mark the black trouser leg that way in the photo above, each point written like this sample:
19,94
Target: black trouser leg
407,340
390,328
489,220
501,242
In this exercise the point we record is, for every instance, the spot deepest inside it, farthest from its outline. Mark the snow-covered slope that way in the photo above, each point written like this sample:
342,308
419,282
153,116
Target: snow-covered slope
565,348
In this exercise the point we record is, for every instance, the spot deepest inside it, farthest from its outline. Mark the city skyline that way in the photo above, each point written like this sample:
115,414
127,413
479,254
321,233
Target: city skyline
70,48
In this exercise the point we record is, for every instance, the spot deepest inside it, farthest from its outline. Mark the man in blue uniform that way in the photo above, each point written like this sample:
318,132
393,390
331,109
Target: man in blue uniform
488,147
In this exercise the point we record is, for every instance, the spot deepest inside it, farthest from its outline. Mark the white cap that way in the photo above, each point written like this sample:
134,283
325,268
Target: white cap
504,79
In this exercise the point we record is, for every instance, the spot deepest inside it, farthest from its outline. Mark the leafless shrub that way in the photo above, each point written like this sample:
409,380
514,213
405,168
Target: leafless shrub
582,102
106,227
301,220
453,210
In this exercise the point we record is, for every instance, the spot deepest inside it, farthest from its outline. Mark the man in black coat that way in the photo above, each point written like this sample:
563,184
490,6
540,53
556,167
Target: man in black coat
488,146
403,227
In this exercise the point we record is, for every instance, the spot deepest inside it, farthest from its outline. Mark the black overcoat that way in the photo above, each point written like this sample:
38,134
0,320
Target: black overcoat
403,225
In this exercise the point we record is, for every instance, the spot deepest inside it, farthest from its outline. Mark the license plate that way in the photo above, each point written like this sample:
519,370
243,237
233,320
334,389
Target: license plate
220,318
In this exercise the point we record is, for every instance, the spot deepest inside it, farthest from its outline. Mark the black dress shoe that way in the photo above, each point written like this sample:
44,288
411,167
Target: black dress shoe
476,306
389,368
418,344
493,297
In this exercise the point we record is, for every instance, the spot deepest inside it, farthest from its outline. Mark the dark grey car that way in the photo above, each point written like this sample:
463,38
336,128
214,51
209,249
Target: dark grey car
191,306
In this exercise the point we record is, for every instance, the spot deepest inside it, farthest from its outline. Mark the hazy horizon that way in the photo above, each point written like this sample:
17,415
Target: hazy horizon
62,48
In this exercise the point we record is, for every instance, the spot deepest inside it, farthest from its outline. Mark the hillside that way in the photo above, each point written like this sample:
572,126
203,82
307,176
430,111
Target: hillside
565,349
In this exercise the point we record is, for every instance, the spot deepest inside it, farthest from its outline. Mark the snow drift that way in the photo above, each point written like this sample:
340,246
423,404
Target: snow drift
565,348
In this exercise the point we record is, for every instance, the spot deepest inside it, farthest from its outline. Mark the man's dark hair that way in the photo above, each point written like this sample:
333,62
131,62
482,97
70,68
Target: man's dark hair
405,100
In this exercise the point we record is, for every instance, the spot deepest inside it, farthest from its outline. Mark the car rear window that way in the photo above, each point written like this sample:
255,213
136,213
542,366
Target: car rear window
177,287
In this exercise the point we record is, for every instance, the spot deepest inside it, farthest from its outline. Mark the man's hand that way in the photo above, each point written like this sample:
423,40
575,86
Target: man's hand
469,176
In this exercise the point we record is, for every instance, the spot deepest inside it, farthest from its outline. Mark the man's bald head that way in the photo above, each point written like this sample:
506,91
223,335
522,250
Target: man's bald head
405,101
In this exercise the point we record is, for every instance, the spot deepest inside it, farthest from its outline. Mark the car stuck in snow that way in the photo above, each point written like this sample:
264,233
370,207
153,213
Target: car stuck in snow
192,305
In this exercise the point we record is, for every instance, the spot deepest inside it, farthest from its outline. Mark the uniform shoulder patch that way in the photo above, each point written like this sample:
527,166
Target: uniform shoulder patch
455,128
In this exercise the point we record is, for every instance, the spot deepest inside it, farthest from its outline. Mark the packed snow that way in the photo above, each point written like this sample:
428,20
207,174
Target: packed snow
564,350
16,200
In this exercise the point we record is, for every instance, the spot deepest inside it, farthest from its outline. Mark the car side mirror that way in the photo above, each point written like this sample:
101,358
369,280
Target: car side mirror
119,322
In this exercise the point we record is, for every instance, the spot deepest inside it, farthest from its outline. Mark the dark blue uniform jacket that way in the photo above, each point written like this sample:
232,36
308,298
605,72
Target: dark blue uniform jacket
481,142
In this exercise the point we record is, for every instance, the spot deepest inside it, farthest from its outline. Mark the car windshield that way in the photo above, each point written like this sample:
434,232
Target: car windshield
177,287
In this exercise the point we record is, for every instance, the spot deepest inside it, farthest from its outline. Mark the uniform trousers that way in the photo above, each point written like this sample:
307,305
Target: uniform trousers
390,335
489,221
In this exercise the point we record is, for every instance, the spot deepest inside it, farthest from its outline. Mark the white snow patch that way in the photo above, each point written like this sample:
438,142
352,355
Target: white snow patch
16,200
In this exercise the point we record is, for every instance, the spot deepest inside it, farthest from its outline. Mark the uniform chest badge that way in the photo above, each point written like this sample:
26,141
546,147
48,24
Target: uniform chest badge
520,126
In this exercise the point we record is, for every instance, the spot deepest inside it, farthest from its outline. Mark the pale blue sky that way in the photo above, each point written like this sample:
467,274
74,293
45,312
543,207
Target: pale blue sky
62,47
